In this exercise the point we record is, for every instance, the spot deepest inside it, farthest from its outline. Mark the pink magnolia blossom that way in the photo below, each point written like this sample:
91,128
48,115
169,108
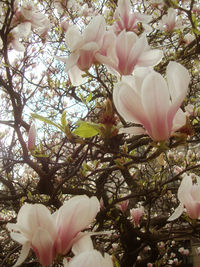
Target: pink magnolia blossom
51,234
124,205
83,48
147,99
31,137
189,197
136,215
127,51
20,31
24,20
73,217
35,17
127,20
170,22
35,228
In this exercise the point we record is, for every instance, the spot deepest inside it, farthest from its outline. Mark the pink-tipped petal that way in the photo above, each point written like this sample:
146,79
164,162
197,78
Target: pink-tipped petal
31,137
75,215
156,102
95,30
128,103
42,244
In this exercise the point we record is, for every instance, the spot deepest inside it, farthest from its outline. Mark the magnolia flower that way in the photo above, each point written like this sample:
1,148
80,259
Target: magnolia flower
189,197
31,137
127,51
126,20
169,22
73,217
136,215
123,205
20,31
49,235
24,20
35,228
30,13
147,99
87,256
83,47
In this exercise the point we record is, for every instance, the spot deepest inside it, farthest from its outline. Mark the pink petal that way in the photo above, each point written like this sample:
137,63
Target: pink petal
124,43
42,244
31,137
124,9
128,103
75,215
95,30
193,209
156,103
139,47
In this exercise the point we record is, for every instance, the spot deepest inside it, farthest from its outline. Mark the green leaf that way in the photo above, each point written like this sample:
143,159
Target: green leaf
87,129
63,119
88,99
41,118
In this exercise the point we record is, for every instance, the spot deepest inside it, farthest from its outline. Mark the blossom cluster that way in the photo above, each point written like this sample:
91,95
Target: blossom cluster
142,95
26,19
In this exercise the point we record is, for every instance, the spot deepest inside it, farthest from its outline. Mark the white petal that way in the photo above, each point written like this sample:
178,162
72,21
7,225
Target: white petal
184,188
20,238
179,120
24,29
150,58
17,45
23,254
132,130
73,38
76,76
83,243
177,213
178,79
128,102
